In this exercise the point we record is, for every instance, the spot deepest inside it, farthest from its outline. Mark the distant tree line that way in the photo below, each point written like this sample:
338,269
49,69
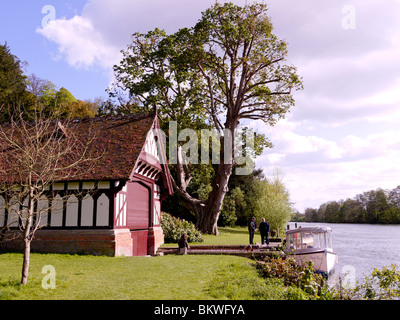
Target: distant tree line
376,207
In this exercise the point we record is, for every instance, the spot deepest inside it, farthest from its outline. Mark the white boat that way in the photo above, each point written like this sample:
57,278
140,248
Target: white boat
312,243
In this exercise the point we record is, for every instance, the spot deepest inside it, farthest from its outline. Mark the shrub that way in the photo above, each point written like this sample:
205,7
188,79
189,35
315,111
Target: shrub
301,280
380,285
173,229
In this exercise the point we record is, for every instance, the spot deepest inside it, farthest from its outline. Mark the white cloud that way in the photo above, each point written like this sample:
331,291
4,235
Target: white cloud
318,170
80,43
96,36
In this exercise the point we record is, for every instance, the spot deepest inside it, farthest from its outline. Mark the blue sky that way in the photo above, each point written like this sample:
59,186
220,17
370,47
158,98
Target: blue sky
343,135
18,25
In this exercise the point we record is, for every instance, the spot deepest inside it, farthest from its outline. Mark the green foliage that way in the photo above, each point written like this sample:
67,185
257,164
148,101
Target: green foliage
155,71
64,96
12,80
302,281
255,195
375,206
13,84
63,104
236,41
232,201
173,229
32,95
273,203
247,184
380,285
298,217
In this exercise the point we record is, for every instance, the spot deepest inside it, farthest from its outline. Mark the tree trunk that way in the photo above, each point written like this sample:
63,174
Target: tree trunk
27,239
25,265
206,211
208,222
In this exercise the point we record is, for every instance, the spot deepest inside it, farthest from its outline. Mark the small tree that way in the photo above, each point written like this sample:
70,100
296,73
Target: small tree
273,202
34,154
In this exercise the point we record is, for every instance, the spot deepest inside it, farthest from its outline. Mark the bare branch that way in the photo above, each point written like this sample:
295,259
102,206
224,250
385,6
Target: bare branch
33,156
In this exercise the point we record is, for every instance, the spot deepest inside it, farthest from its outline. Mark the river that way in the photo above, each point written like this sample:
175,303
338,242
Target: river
362,247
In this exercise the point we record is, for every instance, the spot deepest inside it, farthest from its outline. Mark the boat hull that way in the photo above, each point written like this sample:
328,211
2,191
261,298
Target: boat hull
324,260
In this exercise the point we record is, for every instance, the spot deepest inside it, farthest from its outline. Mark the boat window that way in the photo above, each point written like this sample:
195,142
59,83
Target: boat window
305,240
322,240
328,240
313,240
308,240
294,241
317,240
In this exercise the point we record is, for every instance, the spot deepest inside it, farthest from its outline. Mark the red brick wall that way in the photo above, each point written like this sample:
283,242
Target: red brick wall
110,242
96,242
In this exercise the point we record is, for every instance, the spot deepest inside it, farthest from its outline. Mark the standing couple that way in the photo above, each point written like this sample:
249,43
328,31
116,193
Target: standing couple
263,228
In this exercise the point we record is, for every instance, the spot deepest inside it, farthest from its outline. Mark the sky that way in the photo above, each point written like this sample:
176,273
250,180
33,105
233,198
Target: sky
340,139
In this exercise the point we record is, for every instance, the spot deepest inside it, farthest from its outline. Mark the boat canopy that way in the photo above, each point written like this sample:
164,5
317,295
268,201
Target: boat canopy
309,238
309,229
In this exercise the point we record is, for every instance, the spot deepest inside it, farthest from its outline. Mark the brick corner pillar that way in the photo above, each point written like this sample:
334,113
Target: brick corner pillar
155,240
123,242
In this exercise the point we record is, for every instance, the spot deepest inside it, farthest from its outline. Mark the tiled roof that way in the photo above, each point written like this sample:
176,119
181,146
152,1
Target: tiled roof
118,140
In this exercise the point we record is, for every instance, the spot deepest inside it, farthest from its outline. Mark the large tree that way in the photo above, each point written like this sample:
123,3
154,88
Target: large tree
13,84
227,69
12,79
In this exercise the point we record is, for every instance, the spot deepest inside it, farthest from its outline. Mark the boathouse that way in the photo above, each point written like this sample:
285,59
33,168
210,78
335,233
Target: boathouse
112,209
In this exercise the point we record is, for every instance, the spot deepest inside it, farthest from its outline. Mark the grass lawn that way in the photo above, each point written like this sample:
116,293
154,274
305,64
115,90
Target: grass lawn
239,235
170,277
236,236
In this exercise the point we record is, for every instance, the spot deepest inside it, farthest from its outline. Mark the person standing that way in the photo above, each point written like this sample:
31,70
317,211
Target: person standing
264,230
252,229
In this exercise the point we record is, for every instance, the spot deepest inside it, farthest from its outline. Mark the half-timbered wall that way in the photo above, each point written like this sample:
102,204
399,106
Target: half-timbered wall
67,205
121,207
151,146
157,206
